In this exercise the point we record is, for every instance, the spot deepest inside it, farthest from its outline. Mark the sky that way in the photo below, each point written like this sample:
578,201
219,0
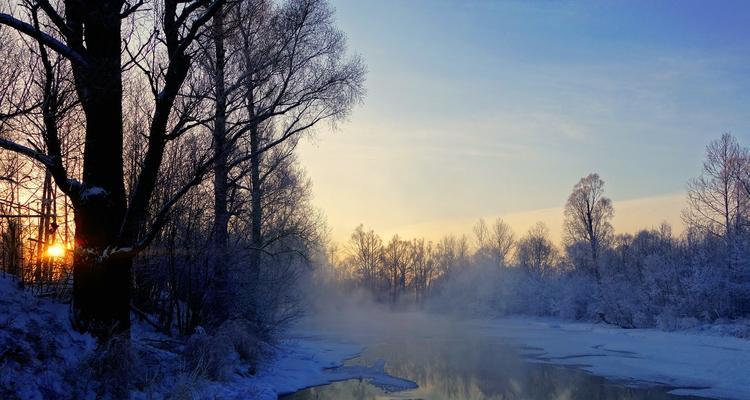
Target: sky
497,108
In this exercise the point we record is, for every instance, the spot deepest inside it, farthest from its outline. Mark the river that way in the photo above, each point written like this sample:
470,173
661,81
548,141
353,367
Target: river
450,361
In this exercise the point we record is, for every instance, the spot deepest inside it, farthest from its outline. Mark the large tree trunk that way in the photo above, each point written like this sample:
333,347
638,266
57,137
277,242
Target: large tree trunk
101,289
220,169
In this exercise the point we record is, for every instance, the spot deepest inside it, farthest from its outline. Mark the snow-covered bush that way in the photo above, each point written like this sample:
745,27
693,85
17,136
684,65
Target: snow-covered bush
576,294
239,333
109,371
211,357
231,349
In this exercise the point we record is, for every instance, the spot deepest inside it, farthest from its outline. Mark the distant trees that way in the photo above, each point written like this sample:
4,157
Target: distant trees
366,254
587,219
494,242
396,260
451,252
651,278
535,252
400,270
423,268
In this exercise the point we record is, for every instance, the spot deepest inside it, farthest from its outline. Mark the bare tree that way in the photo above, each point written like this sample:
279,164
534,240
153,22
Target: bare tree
502,242
366,250
279,70
290,84
422,262
481,235
718,198
494,243
396,261
587,218
447,255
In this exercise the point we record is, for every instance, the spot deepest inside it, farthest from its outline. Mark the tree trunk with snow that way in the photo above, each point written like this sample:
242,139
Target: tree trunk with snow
101,284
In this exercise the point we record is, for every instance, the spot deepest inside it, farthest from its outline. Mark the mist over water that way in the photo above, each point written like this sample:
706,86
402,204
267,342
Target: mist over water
449,358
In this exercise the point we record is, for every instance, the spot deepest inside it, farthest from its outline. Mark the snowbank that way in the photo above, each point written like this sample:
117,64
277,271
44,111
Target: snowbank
695,364
38,348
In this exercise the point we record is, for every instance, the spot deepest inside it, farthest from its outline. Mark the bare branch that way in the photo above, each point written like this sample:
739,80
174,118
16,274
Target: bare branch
49,41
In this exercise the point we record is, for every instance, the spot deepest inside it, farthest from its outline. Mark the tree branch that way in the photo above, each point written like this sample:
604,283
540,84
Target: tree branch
49,41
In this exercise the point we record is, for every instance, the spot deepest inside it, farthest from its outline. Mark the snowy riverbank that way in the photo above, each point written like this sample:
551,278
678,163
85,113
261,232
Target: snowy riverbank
304,359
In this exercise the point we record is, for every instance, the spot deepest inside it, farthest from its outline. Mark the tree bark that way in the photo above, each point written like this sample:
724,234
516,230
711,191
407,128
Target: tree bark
101,285
256,197
220,169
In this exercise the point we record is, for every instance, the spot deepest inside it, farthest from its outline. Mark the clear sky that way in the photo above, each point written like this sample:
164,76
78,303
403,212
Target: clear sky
484,108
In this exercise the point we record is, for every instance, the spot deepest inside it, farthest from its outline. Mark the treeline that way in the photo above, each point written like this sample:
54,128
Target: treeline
646,279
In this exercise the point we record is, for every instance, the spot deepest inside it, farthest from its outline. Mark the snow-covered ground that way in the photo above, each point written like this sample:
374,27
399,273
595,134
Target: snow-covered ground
37,345
41,357
697,364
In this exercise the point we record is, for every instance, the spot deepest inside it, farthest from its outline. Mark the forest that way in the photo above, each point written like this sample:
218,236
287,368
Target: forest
159,238
650,278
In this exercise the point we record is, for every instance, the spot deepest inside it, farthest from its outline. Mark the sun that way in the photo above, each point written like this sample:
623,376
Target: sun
55,250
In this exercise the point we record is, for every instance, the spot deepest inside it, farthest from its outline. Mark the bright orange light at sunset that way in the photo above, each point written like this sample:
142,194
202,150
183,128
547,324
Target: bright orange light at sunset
56,250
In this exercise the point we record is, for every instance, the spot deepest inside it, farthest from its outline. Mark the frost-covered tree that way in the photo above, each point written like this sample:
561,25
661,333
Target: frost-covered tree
587,219
717,216
535,252
717,200
279,69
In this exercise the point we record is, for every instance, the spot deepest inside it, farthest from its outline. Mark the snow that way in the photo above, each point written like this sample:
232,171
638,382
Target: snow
696,364
93,191
37,345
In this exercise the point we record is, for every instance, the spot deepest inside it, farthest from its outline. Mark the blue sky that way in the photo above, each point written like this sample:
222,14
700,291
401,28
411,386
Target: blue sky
497,108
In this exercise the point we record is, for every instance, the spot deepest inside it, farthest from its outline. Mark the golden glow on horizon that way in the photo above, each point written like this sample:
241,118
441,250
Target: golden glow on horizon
630,216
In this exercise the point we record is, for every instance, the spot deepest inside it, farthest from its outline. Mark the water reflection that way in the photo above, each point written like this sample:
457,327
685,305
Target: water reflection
453,368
